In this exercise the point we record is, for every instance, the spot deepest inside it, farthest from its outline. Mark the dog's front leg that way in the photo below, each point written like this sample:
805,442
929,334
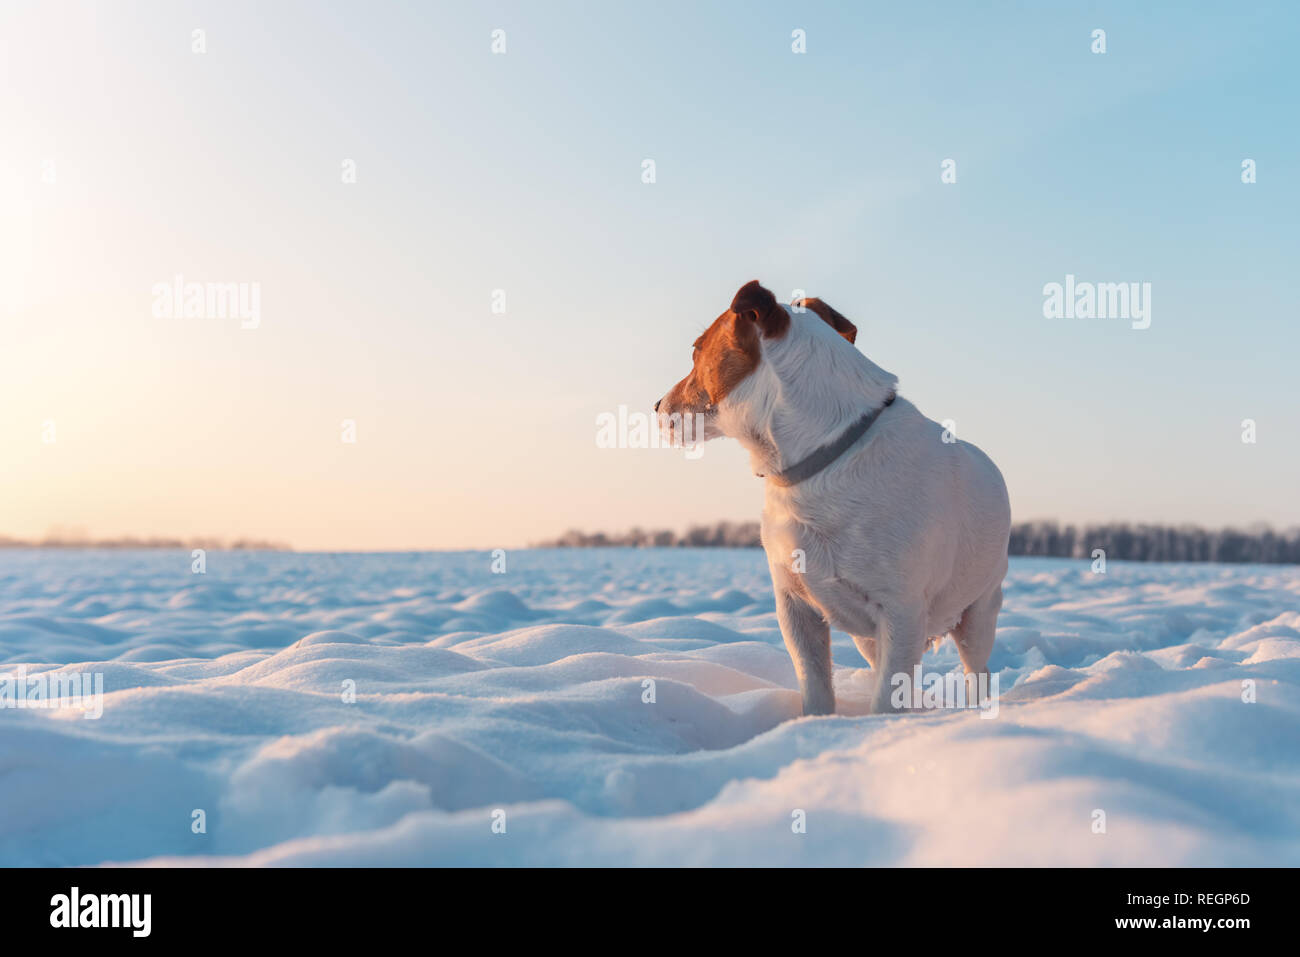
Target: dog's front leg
808,639
899,649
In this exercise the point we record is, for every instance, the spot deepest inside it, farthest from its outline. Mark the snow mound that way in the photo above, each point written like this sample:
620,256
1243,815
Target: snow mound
619,707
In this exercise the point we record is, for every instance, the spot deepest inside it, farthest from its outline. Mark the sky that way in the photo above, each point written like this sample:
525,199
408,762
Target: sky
515,180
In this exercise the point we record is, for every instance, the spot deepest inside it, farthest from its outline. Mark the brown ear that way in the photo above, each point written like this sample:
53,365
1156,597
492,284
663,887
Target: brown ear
832,318
759,306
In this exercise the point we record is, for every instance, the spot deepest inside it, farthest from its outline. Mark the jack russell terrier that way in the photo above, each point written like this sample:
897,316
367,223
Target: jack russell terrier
875,520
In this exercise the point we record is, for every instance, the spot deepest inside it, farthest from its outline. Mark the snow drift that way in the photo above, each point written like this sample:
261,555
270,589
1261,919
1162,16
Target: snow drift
630,707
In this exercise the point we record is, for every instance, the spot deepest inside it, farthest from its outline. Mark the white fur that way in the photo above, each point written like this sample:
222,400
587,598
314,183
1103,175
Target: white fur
904,536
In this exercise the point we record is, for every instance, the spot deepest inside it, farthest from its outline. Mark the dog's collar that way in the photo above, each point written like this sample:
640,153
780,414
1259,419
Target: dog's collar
828,453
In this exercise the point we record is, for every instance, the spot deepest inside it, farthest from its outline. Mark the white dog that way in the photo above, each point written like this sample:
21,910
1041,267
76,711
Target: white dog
876,521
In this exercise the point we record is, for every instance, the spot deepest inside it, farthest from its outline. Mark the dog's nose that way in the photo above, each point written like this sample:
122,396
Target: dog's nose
657,404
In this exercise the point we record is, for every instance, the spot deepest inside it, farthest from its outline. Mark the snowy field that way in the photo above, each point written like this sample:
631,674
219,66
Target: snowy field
518,699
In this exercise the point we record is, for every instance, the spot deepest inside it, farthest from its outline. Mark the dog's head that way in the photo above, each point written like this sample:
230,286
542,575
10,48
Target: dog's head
730,353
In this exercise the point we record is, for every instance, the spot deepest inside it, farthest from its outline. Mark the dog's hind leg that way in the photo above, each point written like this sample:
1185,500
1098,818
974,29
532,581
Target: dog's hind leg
808,639
868,648
975,632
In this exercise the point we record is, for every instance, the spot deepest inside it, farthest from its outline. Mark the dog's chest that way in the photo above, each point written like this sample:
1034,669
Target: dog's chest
804,563
800,553
787,536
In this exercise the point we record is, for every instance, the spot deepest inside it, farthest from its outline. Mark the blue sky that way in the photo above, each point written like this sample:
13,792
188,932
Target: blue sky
522,172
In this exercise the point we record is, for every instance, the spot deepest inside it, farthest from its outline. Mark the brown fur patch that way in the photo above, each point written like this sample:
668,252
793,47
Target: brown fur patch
729,350
757,304
832,318
726,353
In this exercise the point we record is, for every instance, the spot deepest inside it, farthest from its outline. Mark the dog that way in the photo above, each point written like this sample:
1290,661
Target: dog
876,520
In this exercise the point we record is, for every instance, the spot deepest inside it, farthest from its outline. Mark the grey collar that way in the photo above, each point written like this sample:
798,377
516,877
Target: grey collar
824,455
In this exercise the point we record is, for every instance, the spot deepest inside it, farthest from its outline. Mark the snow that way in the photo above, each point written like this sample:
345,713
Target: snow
485,698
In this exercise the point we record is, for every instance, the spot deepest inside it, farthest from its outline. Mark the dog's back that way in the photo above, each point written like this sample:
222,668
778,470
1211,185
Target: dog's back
909,516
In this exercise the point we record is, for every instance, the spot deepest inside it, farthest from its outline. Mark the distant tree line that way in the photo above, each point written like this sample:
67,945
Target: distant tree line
60,540
1120,540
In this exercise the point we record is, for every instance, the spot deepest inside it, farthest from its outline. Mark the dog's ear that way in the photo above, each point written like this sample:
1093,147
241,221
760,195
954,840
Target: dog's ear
832,318
755,304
